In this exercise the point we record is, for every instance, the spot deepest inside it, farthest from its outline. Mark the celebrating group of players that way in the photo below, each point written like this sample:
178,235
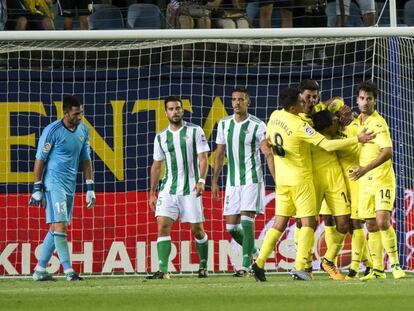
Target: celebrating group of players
324,160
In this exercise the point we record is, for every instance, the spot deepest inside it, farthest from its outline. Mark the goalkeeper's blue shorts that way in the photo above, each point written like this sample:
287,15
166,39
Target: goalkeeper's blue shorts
59,206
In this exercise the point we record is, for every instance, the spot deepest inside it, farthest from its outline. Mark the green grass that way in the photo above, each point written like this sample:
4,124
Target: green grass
221,292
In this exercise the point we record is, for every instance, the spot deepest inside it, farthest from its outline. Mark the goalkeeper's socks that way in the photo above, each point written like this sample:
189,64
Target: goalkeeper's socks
389,241
268,246
164,250
202,249
248,240
48,248
358,245
61,243
376,250
236,232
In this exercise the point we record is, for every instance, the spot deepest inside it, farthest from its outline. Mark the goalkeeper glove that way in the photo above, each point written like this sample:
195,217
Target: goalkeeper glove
90,193
37,194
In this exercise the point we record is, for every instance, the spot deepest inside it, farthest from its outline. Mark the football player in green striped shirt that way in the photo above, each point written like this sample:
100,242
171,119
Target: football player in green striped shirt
183,148
240,137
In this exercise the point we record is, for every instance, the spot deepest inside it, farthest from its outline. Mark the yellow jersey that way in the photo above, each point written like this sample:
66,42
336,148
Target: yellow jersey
349,157
320,157
383,174
291,137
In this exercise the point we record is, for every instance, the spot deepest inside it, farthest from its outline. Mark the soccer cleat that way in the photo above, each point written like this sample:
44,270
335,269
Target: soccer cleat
330,268
259,273
73,276
42,276
352,275
397,272
367,271
241,274
374,275
310,272
159,276
202,273
301,275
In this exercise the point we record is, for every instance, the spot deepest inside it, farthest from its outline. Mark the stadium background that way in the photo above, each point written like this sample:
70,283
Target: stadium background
124,109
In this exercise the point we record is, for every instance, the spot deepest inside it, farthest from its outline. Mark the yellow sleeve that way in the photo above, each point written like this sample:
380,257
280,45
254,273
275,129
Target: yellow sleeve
308,134
335,144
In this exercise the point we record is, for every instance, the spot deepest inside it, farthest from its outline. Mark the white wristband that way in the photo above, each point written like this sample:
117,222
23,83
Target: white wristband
202,180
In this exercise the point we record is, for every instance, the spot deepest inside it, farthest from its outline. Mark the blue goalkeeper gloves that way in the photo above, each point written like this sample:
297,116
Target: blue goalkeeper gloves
37,194
90,194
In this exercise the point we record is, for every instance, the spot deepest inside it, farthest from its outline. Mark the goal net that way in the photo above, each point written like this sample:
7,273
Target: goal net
122,84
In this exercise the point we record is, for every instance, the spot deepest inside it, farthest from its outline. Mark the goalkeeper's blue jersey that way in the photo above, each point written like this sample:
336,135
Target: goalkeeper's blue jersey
62,150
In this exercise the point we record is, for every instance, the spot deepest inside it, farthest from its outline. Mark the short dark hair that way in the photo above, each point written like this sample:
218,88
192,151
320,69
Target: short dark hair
369,87
309,84
70,101
241,90
172,99
288,97
322,120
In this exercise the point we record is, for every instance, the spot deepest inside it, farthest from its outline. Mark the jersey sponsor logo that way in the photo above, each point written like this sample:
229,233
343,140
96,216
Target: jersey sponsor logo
378,125
203,139
46,148
309,131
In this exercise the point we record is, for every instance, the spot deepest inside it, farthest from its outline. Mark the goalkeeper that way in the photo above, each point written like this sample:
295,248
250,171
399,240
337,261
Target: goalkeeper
63,145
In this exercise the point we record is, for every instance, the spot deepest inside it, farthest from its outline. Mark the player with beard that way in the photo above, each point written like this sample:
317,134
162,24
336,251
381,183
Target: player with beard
184,148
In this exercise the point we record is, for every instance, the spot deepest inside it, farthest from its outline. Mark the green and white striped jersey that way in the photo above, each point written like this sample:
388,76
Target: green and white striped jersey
242,142
180,151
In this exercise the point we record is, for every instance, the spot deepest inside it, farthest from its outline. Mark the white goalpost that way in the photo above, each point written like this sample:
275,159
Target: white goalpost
122,78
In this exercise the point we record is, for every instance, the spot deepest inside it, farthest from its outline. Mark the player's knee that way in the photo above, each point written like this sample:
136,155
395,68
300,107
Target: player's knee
383,224
198,233
60,227
343,227
371,226
328,220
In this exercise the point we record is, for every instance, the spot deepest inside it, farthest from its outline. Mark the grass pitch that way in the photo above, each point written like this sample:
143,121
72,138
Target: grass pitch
222,292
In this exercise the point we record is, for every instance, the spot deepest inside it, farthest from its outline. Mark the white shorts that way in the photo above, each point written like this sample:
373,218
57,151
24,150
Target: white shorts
244,198
188,207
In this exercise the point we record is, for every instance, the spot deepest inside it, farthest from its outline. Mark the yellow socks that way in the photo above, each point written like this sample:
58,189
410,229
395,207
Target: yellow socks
334,242
268,246
376,250
358,245
305,243
389,241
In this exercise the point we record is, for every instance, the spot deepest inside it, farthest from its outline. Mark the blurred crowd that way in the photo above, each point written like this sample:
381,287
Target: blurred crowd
187,14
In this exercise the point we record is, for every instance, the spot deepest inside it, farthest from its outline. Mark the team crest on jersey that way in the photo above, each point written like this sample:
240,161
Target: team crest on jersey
203,139
309,131
81,138
46,148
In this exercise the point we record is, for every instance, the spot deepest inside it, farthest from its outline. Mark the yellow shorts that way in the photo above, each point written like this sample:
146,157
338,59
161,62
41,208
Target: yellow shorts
330,187
298,201
373,198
